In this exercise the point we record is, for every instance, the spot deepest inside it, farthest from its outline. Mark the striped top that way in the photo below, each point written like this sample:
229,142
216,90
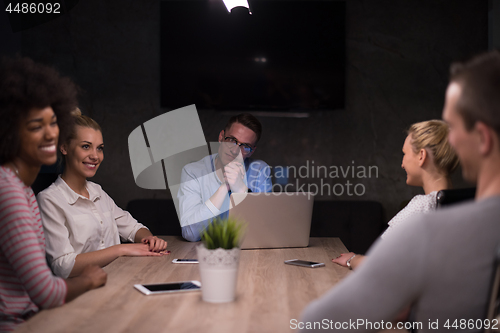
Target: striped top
26,282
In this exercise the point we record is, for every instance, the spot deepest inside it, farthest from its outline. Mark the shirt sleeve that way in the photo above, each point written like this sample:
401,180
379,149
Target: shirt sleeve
259,177
20,244
195,214
127,225
192,232
60,253
389,280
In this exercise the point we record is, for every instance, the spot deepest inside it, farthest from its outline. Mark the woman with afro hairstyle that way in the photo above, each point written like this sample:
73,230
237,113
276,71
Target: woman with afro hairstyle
35,104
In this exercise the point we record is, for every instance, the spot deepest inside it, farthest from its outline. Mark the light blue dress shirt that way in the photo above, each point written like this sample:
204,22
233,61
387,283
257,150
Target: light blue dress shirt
199,182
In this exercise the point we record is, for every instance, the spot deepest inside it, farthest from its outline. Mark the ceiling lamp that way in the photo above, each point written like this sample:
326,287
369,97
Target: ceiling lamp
230,4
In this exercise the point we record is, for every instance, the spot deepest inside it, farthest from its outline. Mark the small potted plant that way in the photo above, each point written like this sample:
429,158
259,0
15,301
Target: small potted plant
218,258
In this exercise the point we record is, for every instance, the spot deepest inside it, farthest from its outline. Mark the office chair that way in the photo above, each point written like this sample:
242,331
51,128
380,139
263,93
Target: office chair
449,197
42,181
159,215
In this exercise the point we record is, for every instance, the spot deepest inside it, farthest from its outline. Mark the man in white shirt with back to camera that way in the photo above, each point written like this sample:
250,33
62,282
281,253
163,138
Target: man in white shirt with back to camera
440,264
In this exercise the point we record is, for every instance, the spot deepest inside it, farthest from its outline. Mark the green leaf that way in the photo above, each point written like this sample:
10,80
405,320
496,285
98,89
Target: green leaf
226,234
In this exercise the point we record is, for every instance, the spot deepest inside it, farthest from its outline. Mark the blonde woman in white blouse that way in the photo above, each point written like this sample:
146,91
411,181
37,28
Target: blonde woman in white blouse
428,160
82,223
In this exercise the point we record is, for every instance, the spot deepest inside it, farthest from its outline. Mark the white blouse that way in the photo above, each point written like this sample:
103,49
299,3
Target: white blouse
418,205
74,224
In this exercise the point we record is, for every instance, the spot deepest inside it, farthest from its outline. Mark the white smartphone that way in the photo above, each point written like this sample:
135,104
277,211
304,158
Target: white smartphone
185,261
162,288
304,263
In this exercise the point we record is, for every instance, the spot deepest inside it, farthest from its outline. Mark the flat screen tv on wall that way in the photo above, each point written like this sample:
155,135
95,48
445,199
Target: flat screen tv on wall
284,56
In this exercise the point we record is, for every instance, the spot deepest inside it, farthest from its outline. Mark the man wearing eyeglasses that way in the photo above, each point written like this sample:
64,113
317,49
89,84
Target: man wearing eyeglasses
206,185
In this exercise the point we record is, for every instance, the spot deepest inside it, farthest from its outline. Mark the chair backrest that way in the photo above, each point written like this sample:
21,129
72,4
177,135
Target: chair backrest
357,223
42,181
449,197
159,215
494,301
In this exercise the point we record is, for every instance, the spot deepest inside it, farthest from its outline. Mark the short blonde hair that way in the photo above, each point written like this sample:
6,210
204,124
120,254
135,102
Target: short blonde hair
432,135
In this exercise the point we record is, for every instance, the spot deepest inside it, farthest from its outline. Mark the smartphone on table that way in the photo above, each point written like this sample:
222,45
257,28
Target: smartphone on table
304,263
185,261
165,288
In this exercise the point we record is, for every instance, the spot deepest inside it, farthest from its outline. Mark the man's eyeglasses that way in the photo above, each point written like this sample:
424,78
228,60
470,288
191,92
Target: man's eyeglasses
233,142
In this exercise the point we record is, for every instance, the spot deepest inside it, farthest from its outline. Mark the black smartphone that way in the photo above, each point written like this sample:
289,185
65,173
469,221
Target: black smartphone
162,288
185,261
304,263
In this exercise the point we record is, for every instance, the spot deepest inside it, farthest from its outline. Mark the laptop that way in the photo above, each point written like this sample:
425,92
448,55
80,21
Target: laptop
274,220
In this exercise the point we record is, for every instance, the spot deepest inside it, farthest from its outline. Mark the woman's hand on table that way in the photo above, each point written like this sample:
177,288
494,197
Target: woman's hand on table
91,277
138,249
342,258
155,244
95,275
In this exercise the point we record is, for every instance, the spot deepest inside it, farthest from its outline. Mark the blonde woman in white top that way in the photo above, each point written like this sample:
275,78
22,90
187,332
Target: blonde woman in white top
428,160
82,223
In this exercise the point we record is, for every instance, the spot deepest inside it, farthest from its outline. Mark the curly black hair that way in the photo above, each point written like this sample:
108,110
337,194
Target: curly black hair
25,85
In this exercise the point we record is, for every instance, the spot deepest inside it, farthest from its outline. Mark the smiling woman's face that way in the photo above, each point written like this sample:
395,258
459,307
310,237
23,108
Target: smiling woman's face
38,134
410,164
85,152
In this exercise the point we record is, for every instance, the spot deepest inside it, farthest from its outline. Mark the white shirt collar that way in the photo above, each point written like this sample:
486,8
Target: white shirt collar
71,196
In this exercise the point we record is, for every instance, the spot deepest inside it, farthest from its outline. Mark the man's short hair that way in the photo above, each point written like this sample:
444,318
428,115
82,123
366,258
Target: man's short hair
25,85
479,79
247,120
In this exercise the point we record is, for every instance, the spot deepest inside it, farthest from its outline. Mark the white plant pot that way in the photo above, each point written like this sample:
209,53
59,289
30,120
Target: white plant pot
219,272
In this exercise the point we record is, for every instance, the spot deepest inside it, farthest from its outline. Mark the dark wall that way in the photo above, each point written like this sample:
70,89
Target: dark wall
398,55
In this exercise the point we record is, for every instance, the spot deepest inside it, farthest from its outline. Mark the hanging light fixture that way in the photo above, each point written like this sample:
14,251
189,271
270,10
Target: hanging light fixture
230,4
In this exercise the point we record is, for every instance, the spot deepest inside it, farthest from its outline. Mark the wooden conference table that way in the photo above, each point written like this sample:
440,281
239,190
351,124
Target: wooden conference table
269,294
